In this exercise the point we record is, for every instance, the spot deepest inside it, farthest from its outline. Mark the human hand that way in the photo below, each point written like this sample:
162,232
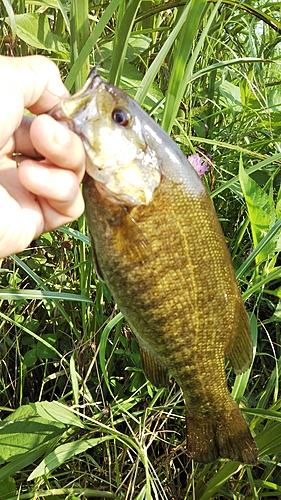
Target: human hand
36,195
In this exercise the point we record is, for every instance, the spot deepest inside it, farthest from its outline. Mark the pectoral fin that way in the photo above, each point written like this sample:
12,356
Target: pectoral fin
155,371
130,240
240,349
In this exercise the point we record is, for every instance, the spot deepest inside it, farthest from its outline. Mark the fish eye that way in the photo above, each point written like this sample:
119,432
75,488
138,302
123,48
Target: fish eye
121,117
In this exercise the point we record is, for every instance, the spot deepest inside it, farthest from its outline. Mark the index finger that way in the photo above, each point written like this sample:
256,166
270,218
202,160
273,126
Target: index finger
31,82
58,144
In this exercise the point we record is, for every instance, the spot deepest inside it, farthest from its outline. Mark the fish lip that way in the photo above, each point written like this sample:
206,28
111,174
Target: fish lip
94,79
89,88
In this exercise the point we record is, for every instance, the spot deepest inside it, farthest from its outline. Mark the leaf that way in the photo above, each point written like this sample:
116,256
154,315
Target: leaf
8,487
63,453
43,351
10,12
125,22
30,358
15,294
218,479
269,439
34,29
276,317
137,45
272,233
25,432
103,343
74,379
56,412
92,40
230,95
261,213
241,380
23,461
185,54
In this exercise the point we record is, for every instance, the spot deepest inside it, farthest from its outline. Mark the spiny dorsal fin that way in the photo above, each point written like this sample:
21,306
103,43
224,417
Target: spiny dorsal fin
155,371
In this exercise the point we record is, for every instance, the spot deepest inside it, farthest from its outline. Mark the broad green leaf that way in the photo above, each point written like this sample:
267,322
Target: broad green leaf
43,350
261,211
8,488
23,460
56,412
65,452
34,29
25,433
30,357
230,95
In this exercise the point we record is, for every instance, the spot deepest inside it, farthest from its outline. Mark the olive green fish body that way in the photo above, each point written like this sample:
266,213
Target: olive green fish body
158,245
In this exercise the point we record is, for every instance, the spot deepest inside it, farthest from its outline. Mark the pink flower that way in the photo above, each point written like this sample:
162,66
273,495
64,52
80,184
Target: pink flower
198,164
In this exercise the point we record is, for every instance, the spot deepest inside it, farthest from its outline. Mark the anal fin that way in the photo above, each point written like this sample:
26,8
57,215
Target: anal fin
240,349
155,371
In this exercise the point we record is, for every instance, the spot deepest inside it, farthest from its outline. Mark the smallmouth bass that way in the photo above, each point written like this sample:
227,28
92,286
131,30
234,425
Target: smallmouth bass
159,247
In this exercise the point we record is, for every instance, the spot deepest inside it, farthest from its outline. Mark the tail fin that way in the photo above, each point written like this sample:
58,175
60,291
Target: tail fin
224,434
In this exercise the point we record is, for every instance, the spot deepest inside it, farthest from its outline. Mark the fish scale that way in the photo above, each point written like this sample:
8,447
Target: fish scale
158,245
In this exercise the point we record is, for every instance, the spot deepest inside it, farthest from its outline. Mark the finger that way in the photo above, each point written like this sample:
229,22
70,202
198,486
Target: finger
32,82
20,225
58,145
22,141
37,78
55,216
58,188
21,218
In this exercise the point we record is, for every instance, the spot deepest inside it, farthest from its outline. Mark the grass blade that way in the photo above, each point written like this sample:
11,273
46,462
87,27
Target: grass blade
180,72
90,43
126,16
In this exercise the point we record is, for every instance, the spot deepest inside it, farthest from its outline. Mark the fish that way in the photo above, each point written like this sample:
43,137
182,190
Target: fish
158,245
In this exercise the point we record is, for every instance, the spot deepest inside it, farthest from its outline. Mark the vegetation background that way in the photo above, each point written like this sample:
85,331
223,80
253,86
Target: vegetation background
78,417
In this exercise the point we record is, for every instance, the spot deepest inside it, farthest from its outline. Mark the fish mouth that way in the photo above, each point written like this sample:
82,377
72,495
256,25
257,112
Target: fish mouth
94,79
67,108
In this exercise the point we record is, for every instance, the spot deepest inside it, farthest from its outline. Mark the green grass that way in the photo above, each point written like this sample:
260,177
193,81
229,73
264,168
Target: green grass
79,419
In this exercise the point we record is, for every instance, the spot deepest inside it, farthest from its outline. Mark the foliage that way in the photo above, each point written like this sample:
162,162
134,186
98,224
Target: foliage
79,419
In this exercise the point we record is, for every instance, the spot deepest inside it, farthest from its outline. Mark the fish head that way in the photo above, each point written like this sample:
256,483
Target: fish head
120,159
